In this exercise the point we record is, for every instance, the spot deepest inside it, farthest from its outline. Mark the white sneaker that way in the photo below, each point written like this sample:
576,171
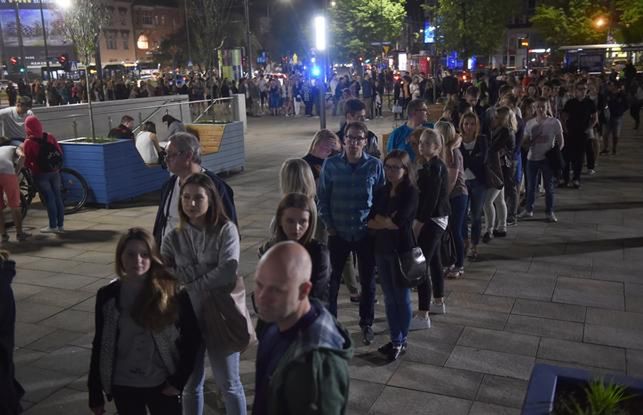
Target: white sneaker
552,218
47,229
526,214
440,308
591,172
420,323
60,229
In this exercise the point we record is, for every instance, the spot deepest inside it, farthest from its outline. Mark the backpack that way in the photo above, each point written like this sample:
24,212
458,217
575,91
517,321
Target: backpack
49,157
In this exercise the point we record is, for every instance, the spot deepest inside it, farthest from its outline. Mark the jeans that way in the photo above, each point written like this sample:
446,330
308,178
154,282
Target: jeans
456,222
339,251
510,190
533,168
49,187
477,193
430,241
225,371
397,299
612,128
574,153
495,198
590,153
134,401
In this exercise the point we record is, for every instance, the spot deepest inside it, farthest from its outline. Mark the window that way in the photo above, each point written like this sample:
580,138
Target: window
143,42
125,37
147,19
110,39
163,20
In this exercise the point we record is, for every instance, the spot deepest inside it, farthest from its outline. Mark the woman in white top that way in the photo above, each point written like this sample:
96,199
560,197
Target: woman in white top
147,143
542,133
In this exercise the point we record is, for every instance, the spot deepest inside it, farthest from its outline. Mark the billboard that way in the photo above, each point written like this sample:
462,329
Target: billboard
429,32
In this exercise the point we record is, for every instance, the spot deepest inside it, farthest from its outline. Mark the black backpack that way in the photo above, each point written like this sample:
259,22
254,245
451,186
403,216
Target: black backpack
49,157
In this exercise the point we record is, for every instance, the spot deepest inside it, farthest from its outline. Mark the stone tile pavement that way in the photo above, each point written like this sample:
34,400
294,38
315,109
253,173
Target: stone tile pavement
569,293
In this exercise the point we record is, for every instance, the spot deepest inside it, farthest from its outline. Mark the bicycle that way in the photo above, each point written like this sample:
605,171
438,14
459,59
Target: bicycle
74,190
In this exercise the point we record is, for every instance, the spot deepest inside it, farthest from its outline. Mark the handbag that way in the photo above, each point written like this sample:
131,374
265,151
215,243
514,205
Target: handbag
227,320
555,160
447,248
411,267
492,173
397,109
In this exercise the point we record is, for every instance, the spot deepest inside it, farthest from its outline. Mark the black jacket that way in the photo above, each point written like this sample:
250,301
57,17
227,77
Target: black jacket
404,204
476,159
503,143
225,191
10,390
182,347
320,278
433,186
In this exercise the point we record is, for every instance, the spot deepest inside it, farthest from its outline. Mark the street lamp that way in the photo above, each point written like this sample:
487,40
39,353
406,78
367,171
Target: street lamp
319,25
600,22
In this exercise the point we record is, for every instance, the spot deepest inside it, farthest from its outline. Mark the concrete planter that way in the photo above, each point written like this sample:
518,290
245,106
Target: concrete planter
114,171
541,392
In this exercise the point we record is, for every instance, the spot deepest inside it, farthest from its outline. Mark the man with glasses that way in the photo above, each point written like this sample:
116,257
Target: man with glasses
355,110
578,117
400,137
347,183
183,158
12,119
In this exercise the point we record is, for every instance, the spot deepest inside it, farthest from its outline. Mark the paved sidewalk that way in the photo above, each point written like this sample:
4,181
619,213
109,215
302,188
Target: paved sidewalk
569,293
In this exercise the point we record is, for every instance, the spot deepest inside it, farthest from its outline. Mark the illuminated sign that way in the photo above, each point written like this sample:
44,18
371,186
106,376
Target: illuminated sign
429,32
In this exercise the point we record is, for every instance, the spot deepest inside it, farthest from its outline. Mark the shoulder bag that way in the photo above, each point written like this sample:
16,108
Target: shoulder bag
555,160
492,172
411,267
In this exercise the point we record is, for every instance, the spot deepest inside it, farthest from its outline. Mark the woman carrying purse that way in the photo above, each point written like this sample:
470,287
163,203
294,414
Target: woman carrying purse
203,254
430,223
391,217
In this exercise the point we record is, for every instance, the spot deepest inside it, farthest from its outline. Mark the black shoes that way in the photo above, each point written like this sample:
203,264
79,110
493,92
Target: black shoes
486,238
367,335
391,352
499,234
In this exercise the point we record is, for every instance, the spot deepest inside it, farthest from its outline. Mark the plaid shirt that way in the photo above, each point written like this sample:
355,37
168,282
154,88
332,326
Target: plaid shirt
345,194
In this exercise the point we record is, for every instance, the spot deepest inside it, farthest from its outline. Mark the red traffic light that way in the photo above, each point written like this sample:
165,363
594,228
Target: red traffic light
13,60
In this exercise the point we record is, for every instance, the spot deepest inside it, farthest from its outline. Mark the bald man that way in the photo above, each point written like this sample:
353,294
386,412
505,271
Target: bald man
302,360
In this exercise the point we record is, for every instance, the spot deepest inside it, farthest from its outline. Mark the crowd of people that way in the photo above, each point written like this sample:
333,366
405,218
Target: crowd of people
178,295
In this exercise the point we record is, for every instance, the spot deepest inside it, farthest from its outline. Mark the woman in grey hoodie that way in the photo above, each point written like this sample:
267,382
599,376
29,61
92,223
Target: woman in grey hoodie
203,254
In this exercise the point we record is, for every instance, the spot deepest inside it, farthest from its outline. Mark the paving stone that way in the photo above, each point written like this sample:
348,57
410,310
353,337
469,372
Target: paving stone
71,360
534,287
403,401
28,332
495,363
467,284
440,380
71,320
59,297
64,281
500,341
461,316
39,383
64,402
502,391
545,327
28,312
96,257
51,265
613,336
633,296
583,353
545,309
427,352
55,340
635,363
23,356
620,319
480,302
371,367
22,291
594,371
93,270
590,293
481,408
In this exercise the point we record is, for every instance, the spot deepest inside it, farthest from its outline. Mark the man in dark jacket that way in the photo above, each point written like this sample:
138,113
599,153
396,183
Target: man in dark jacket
183,159
302,359
124,129
10,391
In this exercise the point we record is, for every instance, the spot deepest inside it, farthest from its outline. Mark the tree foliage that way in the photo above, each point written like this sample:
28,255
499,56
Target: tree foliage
84,21
573,22
207,20
471,27
356,24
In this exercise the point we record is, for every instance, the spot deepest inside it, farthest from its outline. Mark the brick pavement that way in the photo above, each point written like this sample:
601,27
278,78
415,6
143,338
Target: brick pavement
568,293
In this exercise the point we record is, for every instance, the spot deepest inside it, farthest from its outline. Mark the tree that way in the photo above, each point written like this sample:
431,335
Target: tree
84,21
207,20
471,27
356,24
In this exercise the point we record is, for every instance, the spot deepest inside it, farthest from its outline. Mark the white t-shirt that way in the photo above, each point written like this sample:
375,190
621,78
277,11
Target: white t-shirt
6,160
541,136
12,125
145,147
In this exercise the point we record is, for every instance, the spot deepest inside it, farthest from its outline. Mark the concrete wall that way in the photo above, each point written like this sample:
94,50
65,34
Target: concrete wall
70,121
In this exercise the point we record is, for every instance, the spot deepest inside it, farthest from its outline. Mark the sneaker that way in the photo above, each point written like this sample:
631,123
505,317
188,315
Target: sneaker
60,229
22,236
512,221
576,184
47,229
604,152
551,218
5,237
526,214
438,308
355,298
455,273
367,335
499,234
391,351
419,322
591,172
486,238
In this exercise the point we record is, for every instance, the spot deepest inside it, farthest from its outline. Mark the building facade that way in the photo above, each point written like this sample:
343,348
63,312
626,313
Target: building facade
117,40
152,25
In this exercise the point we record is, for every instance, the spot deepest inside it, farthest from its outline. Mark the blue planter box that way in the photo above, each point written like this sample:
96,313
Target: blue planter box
544,378
114,171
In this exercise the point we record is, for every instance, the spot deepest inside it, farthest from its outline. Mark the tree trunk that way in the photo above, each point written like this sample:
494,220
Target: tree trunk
89,103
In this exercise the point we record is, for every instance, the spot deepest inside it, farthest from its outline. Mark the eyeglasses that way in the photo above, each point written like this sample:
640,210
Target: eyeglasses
355,138
392,167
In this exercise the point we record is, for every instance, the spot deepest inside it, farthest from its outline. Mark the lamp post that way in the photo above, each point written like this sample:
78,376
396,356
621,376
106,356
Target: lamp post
44,38
319,25
248,44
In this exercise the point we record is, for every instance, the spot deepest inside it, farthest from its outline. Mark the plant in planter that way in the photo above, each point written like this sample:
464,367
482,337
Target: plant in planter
84,21
600,398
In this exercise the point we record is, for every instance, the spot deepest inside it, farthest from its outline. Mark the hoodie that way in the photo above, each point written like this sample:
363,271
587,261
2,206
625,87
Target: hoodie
34,135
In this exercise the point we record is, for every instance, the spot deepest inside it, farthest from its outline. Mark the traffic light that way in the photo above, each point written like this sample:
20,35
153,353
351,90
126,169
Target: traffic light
22,69
64,61
12,66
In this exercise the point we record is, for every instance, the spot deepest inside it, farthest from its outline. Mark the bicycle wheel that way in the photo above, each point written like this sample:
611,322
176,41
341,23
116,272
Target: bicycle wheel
74,190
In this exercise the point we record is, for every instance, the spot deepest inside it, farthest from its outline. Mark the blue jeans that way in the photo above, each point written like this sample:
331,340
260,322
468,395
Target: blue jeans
533,168
225,371
397,299
477,193
456,223
49,187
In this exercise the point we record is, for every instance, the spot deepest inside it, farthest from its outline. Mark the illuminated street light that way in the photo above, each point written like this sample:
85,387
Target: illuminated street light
64,4
600,22
333,4
320,33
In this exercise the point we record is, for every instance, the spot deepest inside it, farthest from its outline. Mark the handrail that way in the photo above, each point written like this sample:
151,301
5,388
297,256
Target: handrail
210,106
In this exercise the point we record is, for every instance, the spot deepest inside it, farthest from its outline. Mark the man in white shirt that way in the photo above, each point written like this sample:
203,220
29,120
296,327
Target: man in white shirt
12,119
